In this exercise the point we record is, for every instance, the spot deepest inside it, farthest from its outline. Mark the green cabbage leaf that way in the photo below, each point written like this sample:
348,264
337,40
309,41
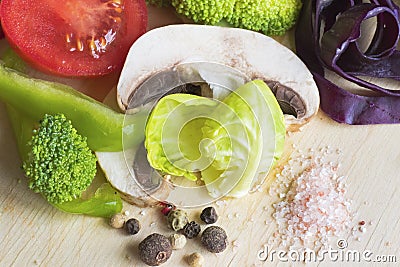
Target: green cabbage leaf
230,144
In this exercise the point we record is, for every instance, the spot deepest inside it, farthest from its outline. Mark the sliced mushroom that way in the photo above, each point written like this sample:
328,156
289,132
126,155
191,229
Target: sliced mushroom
212,61
142,189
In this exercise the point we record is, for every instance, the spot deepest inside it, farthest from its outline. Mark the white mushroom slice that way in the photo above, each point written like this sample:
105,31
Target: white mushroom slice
206,60
253,54
142,189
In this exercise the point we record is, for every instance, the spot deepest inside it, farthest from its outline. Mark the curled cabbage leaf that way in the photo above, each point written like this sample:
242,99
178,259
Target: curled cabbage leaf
229,144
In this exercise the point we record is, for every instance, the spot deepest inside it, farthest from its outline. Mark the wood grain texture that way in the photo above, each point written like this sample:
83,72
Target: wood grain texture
33,233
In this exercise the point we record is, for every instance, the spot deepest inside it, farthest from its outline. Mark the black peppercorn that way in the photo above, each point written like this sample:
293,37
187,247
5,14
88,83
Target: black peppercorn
214,239
155,249
191,230
132,226
209,215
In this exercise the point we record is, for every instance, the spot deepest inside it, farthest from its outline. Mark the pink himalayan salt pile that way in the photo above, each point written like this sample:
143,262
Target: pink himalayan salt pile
313,206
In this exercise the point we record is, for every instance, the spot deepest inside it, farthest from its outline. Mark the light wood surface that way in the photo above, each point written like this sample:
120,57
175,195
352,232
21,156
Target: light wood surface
33,233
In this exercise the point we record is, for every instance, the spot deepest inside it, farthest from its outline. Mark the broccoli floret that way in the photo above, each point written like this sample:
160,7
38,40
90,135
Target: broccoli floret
60,164
272,17
207,11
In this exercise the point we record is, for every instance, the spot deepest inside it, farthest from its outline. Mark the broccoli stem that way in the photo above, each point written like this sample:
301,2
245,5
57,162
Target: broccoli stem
105,129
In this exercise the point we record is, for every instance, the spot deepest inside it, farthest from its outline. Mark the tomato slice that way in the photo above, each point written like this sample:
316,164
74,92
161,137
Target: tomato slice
73,37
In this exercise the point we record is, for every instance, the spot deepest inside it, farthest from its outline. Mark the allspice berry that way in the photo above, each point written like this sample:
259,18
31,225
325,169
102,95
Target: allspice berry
214,239
177,219
155,249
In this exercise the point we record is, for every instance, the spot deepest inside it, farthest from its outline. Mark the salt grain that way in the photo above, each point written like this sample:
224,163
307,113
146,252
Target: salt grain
313,206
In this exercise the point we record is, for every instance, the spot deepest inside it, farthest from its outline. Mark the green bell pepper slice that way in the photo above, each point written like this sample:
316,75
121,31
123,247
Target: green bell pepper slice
105,129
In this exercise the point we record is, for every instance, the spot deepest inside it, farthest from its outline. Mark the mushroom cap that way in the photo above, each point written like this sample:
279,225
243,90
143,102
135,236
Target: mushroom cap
255,55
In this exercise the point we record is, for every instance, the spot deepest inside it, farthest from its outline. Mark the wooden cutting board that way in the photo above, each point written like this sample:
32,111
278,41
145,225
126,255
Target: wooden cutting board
33,233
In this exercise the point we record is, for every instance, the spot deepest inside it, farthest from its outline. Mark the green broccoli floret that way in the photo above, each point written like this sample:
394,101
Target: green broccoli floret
60,164
272,17
207,11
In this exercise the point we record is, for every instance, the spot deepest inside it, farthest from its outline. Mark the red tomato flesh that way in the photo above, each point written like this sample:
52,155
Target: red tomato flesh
73,37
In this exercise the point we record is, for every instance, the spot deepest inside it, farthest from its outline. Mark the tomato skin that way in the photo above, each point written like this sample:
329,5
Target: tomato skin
73,38
1,29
